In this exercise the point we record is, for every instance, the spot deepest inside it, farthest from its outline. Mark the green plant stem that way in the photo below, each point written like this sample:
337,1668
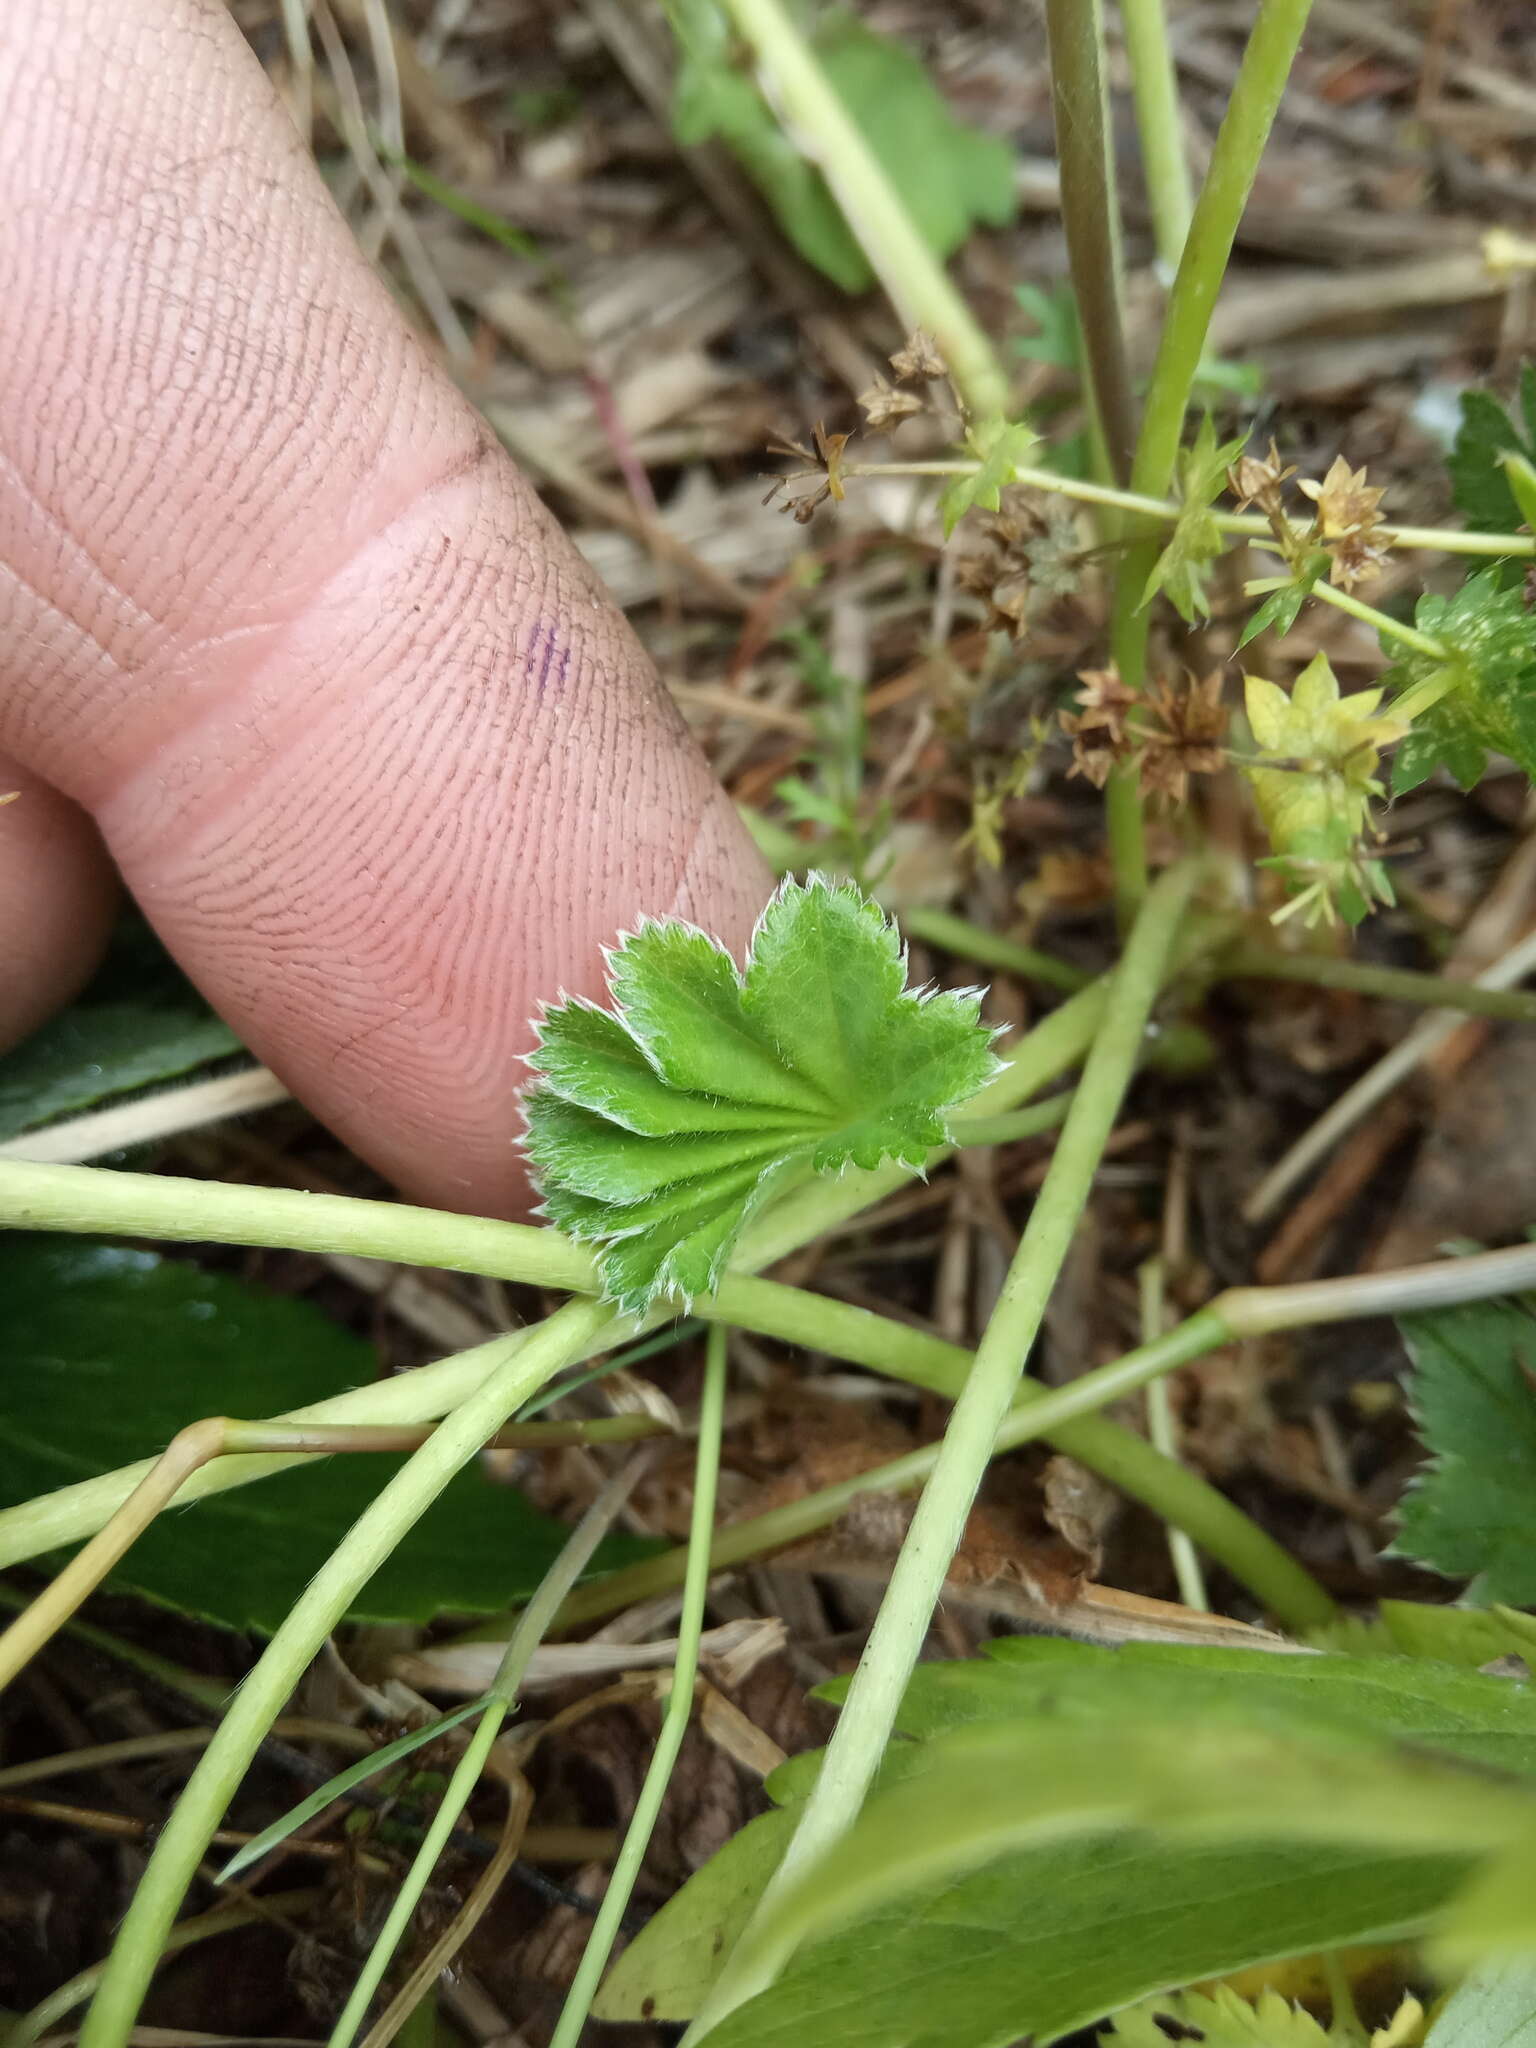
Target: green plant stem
1289,1593
1089,187
674,1726
522,1370
1446,540
1018,1123
1409,636
1253,961
501,1696
969,941
917,1580
1155,90
1163,1431
1207,247
1125,828
1085,151
1065,1416
1240,141
913,279
147,1205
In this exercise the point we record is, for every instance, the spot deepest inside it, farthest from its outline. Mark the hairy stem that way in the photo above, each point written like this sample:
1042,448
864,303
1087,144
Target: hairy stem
991,949
369,1541
147,1205
913,279
1179,1496
1295,1599
917,1580
1202,265
1394,629
690,1625
217,1436
1085,151
1446,540
1155,90
1257,962
501,1696
1240,141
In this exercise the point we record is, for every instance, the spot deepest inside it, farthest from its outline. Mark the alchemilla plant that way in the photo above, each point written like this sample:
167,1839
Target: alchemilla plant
1053,1835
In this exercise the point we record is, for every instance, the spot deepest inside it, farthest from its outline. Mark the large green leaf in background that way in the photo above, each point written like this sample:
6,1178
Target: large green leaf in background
1487,433
1043,1940
949,175
109,1351
1472,1512
138,1022
1495,2007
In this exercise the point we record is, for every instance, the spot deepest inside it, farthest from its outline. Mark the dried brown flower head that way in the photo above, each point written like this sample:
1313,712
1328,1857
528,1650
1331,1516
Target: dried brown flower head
1257,480
825,468
1187,737
1030,554
1098,728
918,357
1348,514
1345,503
1356,559
885,407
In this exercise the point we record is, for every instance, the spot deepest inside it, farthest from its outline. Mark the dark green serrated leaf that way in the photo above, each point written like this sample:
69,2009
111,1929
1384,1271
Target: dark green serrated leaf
1472,1514
655,1132
949,176
1486,434
1482,699
137,1022
1044,1940
110,1351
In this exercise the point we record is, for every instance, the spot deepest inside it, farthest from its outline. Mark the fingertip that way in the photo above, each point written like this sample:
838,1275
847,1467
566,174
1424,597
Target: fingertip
57,895
724,881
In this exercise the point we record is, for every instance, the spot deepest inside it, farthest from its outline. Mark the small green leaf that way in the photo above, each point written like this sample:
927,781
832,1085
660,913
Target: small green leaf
1280,609
1196,539
1482,698
1486,435
109,1352
999,448
358,1773
948,175
1471,1637
137,1022
655,1132
1493,2008
1472,1514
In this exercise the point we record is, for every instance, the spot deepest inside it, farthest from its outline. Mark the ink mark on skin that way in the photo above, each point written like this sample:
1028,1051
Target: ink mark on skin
551,650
